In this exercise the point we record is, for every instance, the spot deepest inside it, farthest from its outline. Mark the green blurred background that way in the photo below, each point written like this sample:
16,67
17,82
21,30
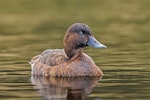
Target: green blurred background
28,27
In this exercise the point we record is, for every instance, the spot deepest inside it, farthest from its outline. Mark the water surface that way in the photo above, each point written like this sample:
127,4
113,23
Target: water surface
29,27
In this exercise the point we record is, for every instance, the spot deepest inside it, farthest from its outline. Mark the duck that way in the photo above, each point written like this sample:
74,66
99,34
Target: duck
70,61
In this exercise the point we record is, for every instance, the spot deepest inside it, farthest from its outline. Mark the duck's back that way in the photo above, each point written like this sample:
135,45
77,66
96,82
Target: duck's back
53,57
48,59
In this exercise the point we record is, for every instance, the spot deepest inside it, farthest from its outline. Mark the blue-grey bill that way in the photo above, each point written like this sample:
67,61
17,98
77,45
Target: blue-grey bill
94,43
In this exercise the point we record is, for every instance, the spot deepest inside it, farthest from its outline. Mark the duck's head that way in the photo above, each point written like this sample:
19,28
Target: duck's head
78,36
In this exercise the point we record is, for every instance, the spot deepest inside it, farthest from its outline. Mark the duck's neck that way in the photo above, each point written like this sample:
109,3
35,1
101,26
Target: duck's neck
72,46
73,53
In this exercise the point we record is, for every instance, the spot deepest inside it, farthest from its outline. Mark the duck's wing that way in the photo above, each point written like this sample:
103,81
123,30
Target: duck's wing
52,57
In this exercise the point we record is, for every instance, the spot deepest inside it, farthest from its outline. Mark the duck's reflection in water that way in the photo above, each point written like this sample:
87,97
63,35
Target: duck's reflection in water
59,88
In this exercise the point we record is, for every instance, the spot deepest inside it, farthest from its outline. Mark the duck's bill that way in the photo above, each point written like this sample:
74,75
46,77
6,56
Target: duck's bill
94,43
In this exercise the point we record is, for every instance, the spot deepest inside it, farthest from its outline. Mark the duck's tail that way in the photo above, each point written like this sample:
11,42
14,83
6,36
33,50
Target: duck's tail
32,62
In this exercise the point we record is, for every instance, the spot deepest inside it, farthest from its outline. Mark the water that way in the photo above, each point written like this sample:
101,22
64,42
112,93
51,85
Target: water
27,28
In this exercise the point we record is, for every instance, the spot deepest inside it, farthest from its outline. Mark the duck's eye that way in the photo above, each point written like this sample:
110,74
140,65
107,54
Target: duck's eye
81,32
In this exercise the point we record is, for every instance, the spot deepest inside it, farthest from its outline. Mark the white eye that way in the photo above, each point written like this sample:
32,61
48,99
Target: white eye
80,32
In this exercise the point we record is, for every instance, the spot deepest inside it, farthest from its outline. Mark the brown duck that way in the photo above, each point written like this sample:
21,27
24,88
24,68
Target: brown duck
70,61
